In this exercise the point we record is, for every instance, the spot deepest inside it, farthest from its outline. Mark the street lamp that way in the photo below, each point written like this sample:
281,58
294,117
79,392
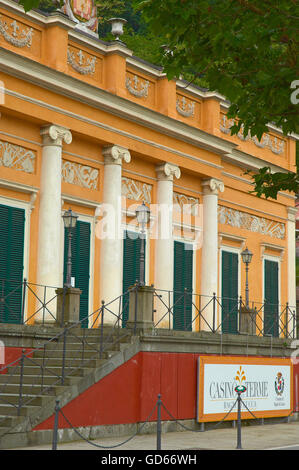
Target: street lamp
143,216
69,220
246,258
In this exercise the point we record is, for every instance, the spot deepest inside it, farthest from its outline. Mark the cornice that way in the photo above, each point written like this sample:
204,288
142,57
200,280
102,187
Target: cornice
16,186
183,85
225,104
145,67
40,75
250,162
97,45
58,82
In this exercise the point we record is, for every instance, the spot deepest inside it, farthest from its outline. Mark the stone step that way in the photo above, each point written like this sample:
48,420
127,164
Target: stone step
53,370
28,399
11,410
6,380
29,389
4,430
7,421
73,353
71,362
41,380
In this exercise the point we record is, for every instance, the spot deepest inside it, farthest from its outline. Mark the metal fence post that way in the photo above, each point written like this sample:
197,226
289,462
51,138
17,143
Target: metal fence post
136,307
287,320
185,319
21,382
159,431
63,356
44,303
55,429
239,445
23,299
102,328
214,312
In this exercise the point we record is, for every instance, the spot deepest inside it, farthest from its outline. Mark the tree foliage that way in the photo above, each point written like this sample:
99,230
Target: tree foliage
247,50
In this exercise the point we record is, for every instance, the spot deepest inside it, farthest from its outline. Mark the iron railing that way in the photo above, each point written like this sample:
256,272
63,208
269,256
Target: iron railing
27,302
184,310
62,357
75,349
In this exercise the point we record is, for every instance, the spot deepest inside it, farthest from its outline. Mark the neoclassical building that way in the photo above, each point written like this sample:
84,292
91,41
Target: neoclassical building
87,125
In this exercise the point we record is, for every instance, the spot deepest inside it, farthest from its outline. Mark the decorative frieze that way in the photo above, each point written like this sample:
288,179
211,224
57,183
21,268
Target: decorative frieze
187,204
15,34
16,157
80,175
136,190
137,87
269,141
83,65
185,107
253,223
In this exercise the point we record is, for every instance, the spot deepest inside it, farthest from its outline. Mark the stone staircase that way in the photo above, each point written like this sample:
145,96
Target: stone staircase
57,370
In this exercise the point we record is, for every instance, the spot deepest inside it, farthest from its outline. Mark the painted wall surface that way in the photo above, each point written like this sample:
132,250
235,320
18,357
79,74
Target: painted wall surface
129,394
44,82
12,357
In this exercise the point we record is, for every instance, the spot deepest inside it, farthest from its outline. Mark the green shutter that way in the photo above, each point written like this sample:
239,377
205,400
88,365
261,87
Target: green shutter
183,279
12,223
131,267
230,291
271,298
80,265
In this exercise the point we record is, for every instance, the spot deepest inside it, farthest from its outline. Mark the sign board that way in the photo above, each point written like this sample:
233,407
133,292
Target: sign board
268,383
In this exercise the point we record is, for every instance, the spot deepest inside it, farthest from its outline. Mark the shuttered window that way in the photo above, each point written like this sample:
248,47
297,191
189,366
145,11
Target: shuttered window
80,265
12,223
271,296
183,279
131,267
230,292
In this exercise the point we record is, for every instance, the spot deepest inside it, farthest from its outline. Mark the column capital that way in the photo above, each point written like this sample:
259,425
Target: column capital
168,171
212,186
115,155
55,135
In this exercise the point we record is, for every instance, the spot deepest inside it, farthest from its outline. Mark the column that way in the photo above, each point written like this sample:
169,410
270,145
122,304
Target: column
164,255
209,252
109,228
291,229
49,262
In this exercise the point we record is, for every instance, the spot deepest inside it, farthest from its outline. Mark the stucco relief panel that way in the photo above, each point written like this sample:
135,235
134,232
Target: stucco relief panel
17,157
80,175
253,223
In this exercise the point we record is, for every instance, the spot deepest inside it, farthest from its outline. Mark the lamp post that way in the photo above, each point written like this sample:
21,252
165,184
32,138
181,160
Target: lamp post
246,258
70,220
143,216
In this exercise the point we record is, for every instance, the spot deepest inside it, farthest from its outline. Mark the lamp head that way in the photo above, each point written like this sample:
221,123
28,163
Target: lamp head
246,256
69,219
143,214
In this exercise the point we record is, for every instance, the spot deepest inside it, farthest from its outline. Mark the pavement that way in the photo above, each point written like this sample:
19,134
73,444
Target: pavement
254,437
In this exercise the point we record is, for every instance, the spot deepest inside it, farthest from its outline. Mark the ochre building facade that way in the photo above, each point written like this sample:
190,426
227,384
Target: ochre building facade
88,126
